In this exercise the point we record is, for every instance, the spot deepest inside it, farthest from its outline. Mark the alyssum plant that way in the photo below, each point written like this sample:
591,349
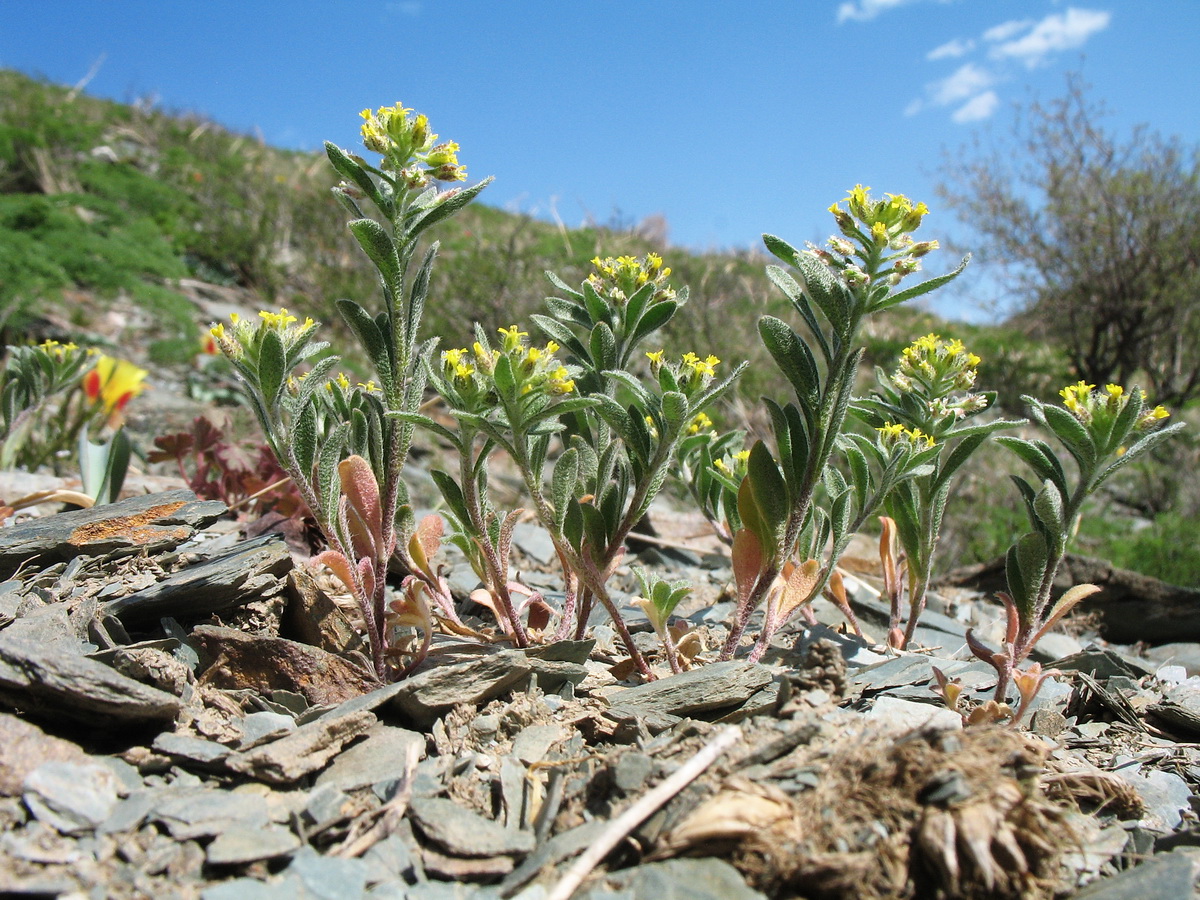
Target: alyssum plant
345,447
929,397
618,437
1102,431
784,530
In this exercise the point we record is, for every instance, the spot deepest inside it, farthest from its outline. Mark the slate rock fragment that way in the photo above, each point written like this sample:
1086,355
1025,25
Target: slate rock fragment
439,688
713,687
24,747
251,571
305,750
73,798
266,664
62,687
148,522
464,833
379,757
244,844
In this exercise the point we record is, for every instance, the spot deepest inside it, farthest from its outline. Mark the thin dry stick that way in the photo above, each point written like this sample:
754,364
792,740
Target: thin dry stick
641,810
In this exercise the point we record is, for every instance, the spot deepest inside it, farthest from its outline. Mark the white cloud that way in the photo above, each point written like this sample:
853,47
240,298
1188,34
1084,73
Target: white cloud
967,80
865,10
1054,33
404,7
1005,30
951,50
978,107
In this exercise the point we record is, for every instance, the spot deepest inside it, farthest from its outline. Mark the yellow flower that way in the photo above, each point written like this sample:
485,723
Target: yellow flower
512,337
343,381
281,319
369,387
699,422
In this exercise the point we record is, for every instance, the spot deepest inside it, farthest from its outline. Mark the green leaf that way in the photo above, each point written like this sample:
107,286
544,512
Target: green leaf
562,484
452,494
348,168
328,484
597,308
366,329
769,488
304,439
1048,507
1073,434
791,288
1137,449
270,367
506,382
793,357
675,411
378,246
603,347
924,287
1038,458
654,318
453,200
829,294
559,332
419,292
563,286
781,248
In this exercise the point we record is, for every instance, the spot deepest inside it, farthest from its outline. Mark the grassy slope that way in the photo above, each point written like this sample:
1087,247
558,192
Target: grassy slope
122,201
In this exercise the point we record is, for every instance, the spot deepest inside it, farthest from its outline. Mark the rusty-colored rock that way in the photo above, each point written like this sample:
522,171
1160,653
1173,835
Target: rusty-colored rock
266,664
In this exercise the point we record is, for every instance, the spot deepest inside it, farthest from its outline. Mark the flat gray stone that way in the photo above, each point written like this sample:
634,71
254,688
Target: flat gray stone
147,522
50,684
1166,875
905,715
252,570
191,750
379,757
243,844
436,690
533,743
25,747
260,727
198,812
675,879
716,686
329,877
464,833
305,750
73,798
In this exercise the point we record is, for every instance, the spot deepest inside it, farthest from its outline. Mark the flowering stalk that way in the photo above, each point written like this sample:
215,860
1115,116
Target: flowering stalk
312,432
929,397
837,288
1102,431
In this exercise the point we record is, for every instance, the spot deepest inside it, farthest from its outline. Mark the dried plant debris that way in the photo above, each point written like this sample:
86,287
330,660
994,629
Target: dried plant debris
950,814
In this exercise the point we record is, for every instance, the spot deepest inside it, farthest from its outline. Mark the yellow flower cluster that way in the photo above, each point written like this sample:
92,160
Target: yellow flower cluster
408,148
534,367
1088,405
891,434
939,364
735,466
618,278
234,342
885,219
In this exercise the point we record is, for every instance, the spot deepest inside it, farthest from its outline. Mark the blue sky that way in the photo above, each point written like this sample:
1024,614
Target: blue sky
727,118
